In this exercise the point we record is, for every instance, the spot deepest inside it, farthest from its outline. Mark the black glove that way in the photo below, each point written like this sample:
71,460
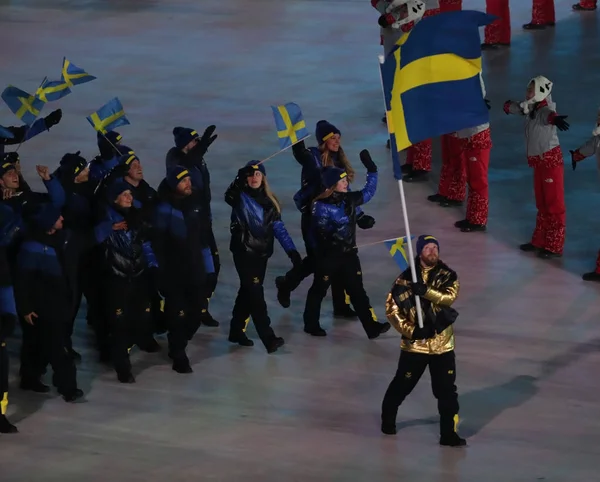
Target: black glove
445,317
419,288
53,118
295,258
244,173
207,138
365,221
365,158
573,161
7,325
428,331
560,122
383,21
488,104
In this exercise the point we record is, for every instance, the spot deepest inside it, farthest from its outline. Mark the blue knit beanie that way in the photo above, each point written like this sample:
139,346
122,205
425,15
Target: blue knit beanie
331,175
115,189
425,239
175,175
6,165
183,136
46,217
260,167
325,130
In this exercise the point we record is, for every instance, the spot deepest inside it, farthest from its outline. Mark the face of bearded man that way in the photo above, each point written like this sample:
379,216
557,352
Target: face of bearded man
430,255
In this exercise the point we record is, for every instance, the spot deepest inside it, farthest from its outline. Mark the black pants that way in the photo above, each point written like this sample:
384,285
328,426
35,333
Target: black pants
347,267
44,343
183,306
250,299
4,366
212,280
297,274
411,366
94,290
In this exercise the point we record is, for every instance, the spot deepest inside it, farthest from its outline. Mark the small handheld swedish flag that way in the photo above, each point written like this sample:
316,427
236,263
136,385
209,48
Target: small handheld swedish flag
73,75
397,250
52,90
25,106
290,124
108,117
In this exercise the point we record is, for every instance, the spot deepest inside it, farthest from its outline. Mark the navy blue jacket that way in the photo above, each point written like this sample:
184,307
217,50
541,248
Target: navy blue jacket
180,238
22,134
127,254
334,218
194,162
255,222
310,180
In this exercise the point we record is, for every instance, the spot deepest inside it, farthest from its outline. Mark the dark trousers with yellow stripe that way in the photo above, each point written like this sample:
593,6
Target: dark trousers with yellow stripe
344,266
250,301
411,366
129,317
3,376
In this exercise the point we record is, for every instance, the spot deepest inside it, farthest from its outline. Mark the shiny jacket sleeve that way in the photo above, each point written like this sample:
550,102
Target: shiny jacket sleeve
366,193
151,261
445,296
591,147
24,133
283,236
57,194
396,317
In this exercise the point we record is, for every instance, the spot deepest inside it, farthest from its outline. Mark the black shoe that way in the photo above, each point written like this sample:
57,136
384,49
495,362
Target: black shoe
437,198
208,320
493,46
73,396
6,426
416,176
318,331
546,254
149,346
537,26
388,428
461,224
283,294
34,386
125,377
593,276
275,344
470,228
452,440
529,248
182,365
74,355
579,8
450,203
345,312
382,328
406,168
241,340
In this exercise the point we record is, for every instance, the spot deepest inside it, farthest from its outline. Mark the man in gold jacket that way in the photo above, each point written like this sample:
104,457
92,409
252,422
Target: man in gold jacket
432,345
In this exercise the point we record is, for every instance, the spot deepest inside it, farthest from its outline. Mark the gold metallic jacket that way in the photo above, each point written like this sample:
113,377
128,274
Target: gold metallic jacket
443,288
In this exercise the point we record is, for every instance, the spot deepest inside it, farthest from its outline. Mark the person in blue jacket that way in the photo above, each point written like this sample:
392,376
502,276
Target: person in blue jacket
181,242
24,133
44,300
329,153
336,255
255,223
130,267
189,152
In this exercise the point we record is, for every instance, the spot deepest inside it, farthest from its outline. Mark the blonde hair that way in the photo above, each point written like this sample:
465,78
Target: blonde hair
326,160
270,194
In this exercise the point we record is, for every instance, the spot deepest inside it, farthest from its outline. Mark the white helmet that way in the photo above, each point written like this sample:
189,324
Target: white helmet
542,88
415,11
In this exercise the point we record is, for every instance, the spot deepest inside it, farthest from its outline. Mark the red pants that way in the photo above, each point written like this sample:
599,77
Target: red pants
419,156
598,263
450,5
588,3
477,162
549,230
542,12
453,175
498,32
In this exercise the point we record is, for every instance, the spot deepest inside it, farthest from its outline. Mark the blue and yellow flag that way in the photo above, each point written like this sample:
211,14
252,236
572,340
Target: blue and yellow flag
431,79
108,117
25,106
5,133
290,124
397,250
73,75
52,90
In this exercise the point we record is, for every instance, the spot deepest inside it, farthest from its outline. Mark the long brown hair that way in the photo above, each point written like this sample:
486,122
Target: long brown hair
270,194
326,160
325,194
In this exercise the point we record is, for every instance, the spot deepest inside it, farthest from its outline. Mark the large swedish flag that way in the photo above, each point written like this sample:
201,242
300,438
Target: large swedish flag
431,79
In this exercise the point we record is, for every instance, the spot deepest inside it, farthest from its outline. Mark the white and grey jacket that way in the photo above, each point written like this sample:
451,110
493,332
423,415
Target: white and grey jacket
540,134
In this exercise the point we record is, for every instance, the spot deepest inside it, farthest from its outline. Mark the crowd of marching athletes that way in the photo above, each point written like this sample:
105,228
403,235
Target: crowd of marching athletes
146,260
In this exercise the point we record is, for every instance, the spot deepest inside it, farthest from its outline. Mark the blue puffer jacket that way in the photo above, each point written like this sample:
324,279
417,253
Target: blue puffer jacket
127,254
334,219
255,222
310,180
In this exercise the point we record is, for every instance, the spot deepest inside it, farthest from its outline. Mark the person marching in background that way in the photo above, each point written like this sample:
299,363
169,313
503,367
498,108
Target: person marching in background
497,33
255,223
189,152
546,159
591,147
182,244
433,345
334,224
313,160
542,15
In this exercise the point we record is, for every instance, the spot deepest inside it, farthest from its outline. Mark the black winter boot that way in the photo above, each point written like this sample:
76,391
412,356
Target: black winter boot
208,320
274,344
182,365
283,293
452,439
593,276
34,386
241,340
381,328
72,395
6,426
388,428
